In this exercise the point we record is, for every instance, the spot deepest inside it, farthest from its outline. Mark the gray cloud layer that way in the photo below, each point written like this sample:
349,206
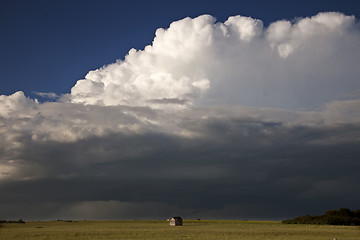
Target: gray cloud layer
166,131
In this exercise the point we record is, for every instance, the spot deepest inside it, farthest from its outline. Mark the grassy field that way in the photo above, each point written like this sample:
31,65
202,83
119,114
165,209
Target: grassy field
160,230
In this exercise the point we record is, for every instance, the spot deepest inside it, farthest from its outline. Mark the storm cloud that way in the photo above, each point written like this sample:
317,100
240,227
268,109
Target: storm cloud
289,65
213,120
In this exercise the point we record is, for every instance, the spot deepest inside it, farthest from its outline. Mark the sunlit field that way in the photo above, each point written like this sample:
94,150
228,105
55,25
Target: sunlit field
192,229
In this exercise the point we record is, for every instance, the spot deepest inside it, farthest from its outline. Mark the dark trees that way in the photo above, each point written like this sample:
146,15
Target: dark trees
343,216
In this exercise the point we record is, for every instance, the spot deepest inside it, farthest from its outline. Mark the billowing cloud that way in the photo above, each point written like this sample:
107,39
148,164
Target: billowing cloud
226,120
15,104
290,65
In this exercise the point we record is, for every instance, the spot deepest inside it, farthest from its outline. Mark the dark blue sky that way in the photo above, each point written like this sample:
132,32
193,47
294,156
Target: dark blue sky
46,46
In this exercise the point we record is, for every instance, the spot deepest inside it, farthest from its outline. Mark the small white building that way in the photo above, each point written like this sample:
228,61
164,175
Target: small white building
176,221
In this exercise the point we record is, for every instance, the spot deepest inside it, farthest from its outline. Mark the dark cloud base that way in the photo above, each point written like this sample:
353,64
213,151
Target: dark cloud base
242,169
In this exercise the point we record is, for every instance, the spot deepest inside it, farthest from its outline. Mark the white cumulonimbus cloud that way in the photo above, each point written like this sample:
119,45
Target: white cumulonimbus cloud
286,65
119,140
309,64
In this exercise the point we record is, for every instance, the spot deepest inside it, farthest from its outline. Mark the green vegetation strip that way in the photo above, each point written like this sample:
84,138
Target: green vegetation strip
160,230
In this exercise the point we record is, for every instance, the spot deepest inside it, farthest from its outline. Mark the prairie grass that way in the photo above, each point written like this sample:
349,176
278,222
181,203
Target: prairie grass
160,230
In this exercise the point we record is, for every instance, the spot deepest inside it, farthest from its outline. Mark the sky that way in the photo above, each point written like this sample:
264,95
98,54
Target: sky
152,109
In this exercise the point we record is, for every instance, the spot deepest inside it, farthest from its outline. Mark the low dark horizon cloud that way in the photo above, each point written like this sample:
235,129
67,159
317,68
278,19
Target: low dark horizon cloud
218,120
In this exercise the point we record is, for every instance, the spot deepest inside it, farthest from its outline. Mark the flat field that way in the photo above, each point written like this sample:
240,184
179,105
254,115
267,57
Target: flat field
160,230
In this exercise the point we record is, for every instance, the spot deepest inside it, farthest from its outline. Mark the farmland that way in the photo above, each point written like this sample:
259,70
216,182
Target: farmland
160,230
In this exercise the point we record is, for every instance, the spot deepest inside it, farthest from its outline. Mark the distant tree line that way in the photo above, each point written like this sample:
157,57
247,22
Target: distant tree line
12,221
343,216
